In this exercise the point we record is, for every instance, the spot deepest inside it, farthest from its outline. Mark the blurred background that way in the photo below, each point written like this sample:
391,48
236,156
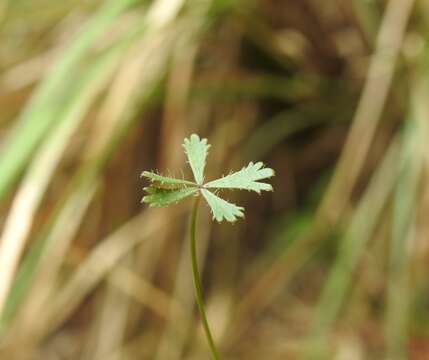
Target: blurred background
333,95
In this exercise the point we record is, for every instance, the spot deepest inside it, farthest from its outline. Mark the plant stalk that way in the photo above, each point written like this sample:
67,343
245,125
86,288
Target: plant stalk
197,282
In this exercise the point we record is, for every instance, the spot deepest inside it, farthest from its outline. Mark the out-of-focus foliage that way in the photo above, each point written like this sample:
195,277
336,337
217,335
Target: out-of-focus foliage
333,95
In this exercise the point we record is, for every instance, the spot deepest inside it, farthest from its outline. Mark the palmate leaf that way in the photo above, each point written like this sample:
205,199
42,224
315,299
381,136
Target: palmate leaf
196,150
246,179
165,180
167,190
160,197
222,209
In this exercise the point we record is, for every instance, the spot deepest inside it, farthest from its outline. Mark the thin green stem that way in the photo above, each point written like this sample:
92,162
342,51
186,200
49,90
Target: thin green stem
197,282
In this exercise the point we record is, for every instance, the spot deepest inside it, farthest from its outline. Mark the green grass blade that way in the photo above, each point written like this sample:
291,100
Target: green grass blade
43,110
404,222
350,251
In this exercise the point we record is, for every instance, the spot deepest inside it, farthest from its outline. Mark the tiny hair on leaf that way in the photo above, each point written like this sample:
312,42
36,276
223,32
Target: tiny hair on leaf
222,209
245,179
161,193
165,180
161,197
196,150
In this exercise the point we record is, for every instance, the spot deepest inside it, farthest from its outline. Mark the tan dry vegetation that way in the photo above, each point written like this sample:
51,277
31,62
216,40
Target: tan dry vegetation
331,94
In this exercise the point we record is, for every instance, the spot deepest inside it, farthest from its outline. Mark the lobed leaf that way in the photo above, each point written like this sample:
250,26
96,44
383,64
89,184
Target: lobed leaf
161,197
222,209
165,180
245,179
196,150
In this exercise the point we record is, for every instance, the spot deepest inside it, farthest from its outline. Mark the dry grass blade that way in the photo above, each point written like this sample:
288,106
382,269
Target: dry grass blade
42,168
373,97
100,262
371,104
45,281
358,233
404,222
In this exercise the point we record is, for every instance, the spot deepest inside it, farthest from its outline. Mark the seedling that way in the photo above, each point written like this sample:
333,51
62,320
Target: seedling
167,190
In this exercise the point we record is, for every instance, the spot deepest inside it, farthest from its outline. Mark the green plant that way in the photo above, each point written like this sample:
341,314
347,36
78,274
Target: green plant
167,190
